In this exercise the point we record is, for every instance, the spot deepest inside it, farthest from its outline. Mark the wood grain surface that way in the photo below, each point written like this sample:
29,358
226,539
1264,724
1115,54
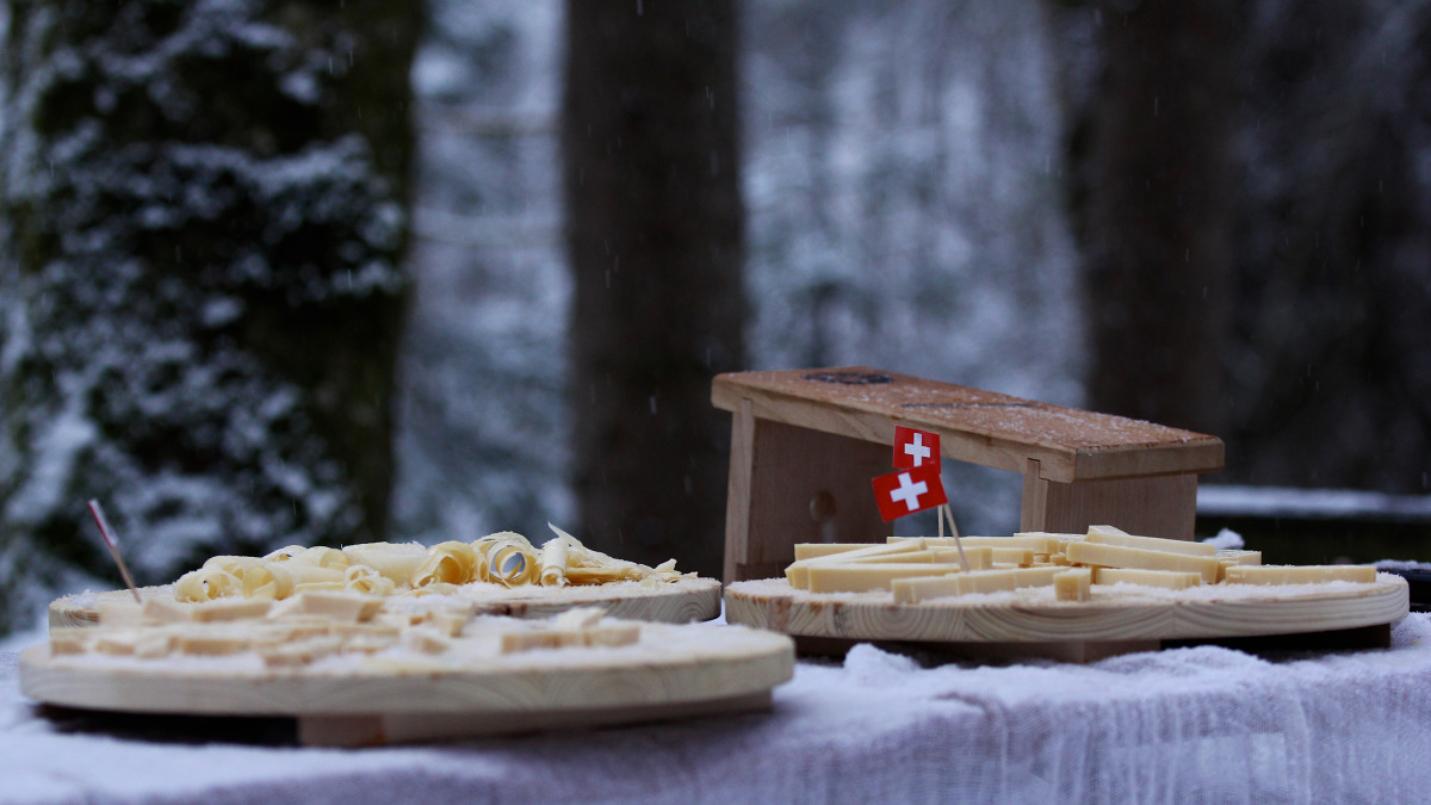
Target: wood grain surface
671,671
981,427
1113,615
681,601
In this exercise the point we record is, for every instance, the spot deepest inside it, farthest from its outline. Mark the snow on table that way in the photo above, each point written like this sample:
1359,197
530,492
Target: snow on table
1184,725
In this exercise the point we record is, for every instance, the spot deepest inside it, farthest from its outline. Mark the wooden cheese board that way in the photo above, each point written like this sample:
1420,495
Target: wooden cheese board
681,601
471,689
1031,622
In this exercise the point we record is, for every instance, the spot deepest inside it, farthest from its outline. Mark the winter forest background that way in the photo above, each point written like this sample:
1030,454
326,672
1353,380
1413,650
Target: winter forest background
315,272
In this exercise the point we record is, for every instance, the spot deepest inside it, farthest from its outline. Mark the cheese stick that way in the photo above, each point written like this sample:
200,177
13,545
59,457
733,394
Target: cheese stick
1167,579
1108,535
853,578
1089,553
1299,574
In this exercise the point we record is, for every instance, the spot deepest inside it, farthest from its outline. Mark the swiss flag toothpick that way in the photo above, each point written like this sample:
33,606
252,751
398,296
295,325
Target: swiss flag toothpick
909,491
915,448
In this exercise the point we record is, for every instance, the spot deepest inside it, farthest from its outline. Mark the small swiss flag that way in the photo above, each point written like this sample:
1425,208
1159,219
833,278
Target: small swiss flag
909,491
915,448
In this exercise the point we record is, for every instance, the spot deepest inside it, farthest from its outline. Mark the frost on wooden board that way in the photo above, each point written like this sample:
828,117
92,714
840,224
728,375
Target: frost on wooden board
167,229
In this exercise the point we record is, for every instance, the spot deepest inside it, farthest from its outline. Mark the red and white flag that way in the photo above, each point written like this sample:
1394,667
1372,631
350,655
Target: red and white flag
915,448
909,491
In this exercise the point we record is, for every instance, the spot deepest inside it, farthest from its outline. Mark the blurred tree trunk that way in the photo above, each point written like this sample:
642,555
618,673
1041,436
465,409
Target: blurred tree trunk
1157,214
200,291
655,237
1334,380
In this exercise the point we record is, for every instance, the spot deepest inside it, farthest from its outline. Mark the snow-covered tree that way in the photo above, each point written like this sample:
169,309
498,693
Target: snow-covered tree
203,208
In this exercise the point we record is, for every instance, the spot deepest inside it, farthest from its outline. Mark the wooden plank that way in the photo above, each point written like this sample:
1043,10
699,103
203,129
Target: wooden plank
1160,506
790,485
1112,615
981,427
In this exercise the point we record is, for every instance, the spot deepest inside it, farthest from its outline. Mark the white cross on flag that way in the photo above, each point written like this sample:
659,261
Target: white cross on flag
909,491
915,448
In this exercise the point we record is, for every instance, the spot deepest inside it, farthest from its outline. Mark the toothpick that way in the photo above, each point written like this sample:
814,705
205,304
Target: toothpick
945,511
112,543
948,512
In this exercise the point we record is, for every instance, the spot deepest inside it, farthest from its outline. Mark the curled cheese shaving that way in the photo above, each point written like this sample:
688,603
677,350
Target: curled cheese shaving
320,556
448,563
206,584
285,553
270,581
235,565
383,568
553,563
507,558
278,580
363,579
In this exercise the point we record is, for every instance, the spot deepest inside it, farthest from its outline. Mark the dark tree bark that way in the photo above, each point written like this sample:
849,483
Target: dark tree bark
1157,216
655,238
203,210
1335,387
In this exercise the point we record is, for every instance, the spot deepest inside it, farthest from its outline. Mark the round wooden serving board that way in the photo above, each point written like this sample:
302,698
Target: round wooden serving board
673,671
681,601
1114,614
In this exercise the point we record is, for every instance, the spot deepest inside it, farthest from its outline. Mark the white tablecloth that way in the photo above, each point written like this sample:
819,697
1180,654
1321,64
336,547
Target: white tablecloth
1203,724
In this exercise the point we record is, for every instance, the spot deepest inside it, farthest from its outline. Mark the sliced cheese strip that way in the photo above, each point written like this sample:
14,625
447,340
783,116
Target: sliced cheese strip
908,557
301,652
118,643
1299,574
815,550
1038,543
333,605
1107,535
1169,579
227,609
606,636
1053,541
1073,585
210,644
578,618
513,642
851,578
154,643
1016,556
912,590
614,635
979,558
426,641
797,572
159,610
1233,558
1089,553
70,640
449,622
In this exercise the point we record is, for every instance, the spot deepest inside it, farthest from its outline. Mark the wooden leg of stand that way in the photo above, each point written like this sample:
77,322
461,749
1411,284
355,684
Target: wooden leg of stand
790,485
1158,506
